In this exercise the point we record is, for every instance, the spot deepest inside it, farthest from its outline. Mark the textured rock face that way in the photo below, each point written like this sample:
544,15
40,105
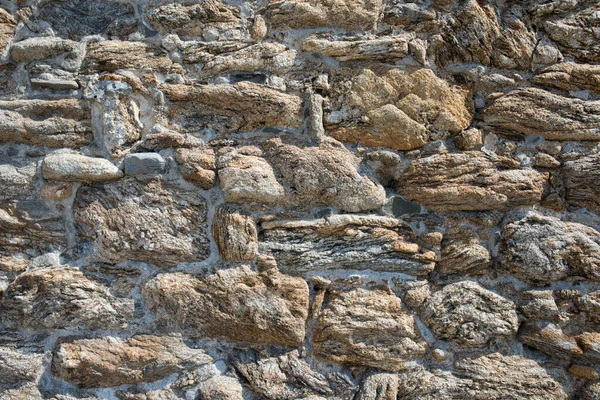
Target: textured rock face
266,307
105,362
299,199
538,112
62,297
399,109
542,250
470,181
345,242
52,123
149,222
469,315
366,327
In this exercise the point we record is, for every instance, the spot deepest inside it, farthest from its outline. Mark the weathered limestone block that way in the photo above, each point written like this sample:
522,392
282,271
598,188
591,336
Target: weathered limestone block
352,15
577,32
582,182
262,57
366,327
75,19
266,307
40,48
400,13
196,19
462,253
569,76
244,106
470,181
194,51
110,361
327,174
62,298
380,49
198,166
151,222
345,242
18,368
533,111
235,234
540,250
245,176
399,109
79,168
590,344
112,55
284,377
52,123
469,315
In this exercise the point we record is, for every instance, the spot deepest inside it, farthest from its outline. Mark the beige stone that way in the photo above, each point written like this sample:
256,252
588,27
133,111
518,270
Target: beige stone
52,123
535,111
470,181
110,361
235,234
198,166
366,327
265,308
79,168
113,55
62,298
352,15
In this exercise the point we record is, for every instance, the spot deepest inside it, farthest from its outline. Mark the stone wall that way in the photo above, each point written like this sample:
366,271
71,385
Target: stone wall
294,199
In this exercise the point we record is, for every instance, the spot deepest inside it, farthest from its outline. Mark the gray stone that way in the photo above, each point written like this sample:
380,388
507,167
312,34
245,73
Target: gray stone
144,165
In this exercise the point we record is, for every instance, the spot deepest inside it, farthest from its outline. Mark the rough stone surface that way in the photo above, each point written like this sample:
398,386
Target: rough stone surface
150,222
366,327
470,181
62,298
535,111
470,315
399,109
78,168
111,361
541,250
266,307
345,242
52,123
581,182
333,199
235,234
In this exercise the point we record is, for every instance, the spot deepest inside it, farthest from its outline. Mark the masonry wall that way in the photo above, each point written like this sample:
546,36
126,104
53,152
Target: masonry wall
334,199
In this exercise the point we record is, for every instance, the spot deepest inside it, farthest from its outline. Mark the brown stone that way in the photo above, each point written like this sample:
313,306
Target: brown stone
235,234
151,222
366,327
110,361
265,308
112,55
52,123
470,181
62,298
198,166
533,111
